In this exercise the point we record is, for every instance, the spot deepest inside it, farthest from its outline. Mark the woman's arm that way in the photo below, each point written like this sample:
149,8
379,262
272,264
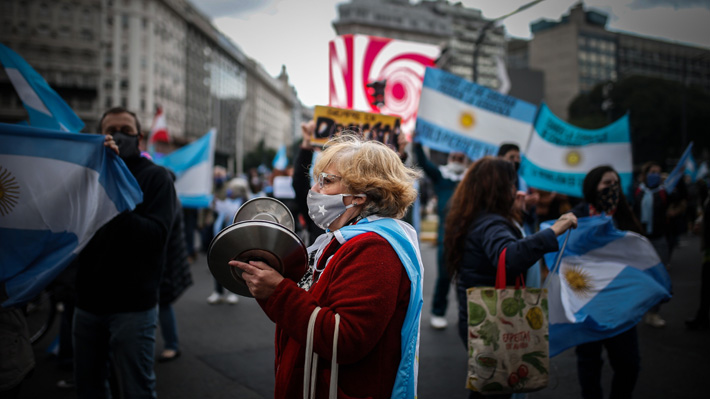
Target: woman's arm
365,283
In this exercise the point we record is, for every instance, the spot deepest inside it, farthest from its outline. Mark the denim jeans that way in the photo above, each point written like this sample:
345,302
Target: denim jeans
168,326
440,300
623,353
127,340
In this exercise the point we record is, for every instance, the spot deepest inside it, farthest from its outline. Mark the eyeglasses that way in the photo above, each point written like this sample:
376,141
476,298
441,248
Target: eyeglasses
326,179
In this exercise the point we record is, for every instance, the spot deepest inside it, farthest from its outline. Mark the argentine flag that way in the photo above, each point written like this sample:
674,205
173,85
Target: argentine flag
606,281
56,190
404,241
44,106
680,169
192,165
458,115
280,161
559,155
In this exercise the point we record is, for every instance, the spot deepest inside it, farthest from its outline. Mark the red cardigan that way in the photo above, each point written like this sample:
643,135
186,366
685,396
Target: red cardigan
367,285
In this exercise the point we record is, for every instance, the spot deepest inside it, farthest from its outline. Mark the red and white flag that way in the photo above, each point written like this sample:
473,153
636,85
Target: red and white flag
159,131
358,60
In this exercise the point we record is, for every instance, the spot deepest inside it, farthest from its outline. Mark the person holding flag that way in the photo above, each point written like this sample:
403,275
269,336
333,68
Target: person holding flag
603,195
118,277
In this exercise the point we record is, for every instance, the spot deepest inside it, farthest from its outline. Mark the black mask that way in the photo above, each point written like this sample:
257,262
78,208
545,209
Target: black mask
608,199
517,166
127,145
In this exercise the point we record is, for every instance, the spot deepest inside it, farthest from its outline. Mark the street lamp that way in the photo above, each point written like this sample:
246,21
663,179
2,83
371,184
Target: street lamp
484,30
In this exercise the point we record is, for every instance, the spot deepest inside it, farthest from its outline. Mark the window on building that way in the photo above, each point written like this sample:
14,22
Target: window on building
43,30
43,11
109,102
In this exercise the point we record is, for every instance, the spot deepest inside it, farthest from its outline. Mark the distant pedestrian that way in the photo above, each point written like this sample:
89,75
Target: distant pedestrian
701,321
651,207
175,280
444,180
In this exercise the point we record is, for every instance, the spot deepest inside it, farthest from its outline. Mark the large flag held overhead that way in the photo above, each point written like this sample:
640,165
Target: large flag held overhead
193,166
559,155
56,191
607,280
457,115
44,106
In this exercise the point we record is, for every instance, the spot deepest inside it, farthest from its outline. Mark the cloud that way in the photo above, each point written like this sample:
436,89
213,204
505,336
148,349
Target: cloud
231,8
677,4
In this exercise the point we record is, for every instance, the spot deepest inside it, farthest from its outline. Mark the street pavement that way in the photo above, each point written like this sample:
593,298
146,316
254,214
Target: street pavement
227,351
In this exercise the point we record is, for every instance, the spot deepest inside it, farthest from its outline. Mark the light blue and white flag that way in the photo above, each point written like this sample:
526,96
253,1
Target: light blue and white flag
404,241
560,155
280,161
691,168
192,165
44,106
702,171
56,191
677,172
607,280
458,115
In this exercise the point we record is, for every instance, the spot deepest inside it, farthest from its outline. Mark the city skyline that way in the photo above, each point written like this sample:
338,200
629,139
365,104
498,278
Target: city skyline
296,33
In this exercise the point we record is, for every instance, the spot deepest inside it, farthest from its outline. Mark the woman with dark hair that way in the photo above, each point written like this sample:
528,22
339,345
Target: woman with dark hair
603,194
484,218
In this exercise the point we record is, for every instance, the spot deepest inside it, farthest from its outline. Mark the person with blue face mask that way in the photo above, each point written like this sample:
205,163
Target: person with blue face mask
119,273
363,280
651,205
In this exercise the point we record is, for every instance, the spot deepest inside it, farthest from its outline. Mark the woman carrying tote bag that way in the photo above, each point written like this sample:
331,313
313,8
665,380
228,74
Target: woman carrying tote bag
483,220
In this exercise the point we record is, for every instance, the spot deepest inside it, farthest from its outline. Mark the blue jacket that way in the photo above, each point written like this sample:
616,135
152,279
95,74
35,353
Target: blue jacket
486,238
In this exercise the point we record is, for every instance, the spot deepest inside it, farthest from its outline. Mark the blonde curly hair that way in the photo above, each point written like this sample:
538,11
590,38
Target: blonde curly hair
371,168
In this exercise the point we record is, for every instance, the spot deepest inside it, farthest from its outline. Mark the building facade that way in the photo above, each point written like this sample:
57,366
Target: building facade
450,25
61,40
144,54
578,52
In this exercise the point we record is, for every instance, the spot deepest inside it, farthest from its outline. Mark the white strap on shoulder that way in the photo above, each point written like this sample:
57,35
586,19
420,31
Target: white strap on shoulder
311,361
334,361
309,379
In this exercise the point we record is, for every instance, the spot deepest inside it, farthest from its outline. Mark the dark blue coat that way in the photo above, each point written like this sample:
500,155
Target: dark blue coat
486,238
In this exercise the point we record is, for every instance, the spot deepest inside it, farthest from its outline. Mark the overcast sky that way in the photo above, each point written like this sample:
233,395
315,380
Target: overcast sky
295,33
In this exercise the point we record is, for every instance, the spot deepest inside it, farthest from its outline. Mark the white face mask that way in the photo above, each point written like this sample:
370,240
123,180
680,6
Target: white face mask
456,167
324,209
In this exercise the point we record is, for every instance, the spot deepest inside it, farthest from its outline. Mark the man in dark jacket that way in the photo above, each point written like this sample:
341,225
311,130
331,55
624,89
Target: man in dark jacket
118,277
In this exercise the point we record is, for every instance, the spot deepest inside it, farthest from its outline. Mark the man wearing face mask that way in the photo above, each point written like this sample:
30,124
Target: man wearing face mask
651,205
444,179
118,277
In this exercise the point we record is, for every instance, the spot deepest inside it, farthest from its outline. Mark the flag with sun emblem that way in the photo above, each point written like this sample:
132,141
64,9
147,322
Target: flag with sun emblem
606,281
56,190
458,115
559,155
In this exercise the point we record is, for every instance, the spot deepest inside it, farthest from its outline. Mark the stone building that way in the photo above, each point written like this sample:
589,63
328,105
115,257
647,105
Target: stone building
578,52
142,54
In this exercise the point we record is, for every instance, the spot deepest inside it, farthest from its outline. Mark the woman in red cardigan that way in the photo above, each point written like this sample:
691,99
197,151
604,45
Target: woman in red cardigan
366,269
